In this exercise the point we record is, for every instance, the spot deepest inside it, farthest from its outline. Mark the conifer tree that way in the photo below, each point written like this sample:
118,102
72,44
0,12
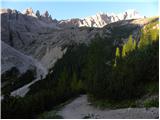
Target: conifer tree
37,13
117,56
117,52
61,87
129,44
142,41
74,82
124,50
134,45
80,85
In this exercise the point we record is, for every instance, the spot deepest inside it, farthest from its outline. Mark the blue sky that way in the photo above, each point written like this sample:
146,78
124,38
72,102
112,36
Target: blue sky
65,9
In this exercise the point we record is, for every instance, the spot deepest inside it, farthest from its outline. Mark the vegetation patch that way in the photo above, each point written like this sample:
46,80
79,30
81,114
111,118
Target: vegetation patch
151,103
104,103
15,80
50,115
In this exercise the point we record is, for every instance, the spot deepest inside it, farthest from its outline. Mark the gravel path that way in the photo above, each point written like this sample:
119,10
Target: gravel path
81,108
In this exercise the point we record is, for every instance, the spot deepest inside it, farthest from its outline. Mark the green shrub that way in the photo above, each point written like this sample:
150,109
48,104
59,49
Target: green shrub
151,103
50,115
15,80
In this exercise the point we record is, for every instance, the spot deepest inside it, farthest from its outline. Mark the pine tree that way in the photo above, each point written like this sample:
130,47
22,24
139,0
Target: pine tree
124,50
74,82
134,45
129,44
142,41
117,56
37,13
117,52
46,14
149,38
61,87
80,85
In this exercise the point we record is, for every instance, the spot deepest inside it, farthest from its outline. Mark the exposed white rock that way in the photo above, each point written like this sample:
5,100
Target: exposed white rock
29,11
51,56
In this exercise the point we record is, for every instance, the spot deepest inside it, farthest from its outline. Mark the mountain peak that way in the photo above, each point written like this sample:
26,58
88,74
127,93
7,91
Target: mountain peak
131,11
7,10
46,14
132,14
28,11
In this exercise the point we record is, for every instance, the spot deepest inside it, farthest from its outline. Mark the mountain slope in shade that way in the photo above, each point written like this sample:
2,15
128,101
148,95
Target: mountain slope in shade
13,58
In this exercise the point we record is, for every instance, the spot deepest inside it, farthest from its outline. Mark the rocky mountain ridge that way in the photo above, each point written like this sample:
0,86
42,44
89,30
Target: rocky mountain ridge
98,20
101,19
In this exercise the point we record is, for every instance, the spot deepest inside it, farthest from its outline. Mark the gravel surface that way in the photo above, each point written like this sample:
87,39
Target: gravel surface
81,108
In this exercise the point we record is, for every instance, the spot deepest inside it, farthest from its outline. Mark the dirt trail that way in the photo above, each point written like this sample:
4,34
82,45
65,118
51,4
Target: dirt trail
81,108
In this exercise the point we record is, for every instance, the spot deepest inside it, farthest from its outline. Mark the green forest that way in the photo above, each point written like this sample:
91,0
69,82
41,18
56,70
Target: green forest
101,69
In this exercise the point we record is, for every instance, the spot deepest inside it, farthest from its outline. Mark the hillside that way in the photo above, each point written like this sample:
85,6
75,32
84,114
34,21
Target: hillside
27,30
45,40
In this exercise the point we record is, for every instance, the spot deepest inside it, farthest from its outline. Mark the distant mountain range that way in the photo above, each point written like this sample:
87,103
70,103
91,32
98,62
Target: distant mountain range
98,20
101,19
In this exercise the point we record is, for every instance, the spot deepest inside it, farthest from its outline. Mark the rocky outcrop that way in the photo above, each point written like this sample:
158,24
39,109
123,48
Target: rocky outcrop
45,17
29,11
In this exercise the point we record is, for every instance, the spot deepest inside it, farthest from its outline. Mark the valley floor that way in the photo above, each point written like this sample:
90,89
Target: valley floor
81,108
